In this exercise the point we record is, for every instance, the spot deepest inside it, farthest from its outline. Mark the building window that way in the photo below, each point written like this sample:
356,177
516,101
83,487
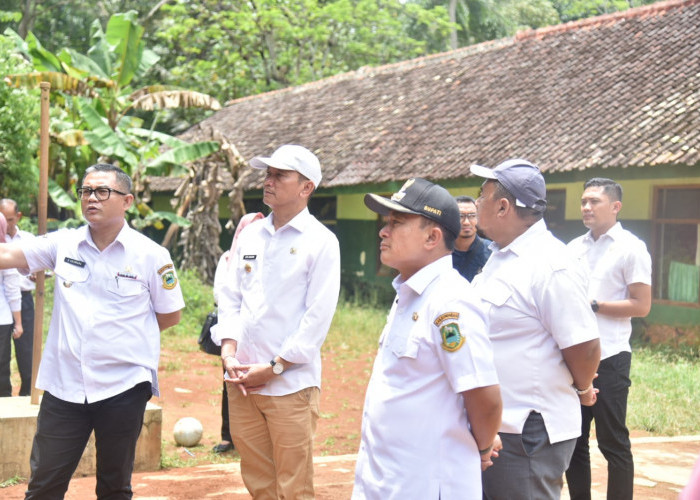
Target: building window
676,220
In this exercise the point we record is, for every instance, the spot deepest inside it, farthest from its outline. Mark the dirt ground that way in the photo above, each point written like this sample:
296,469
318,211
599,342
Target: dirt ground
190,387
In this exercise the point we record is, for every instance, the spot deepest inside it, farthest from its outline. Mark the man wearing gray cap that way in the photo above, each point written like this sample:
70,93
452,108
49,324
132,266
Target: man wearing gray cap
275,308
544,334
433,406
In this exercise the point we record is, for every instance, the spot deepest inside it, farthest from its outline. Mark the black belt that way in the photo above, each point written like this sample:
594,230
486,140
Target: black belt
26,291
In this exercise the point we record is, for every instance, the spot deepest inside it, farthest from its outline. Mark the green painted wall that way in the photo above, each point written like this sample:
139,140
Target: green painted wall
665,314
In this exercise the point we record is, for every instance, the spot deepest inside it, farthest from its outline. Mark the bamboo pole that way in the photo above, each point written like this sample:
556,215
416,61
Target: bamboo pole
42,207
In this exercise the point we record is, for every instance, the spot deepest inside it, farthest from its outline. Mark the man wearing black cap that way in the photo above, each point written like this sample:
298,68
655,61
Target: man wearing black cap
544,334
434,361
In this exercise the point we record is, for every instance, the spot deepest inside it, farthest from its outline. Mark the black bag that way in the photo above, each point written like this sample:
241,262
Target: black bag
205,342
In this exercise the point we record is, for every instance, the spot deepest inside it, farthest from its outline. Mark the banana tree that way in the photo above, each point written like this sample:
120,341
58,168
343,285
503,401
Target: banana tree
95,94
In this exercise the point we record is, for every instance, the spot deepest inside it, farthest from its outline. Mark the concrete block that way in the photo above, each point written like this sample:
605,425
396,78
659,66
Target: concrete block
18,425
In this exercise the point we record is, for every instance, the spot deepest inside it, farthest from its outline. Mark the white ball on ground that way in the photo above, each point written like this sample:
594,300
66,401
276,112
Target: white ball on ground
188,431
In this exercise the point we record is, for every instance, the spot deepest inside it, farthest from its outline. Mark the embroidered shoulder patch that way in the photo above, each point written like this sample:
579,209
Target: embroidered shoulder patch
169,280
448,315
165,268
452,338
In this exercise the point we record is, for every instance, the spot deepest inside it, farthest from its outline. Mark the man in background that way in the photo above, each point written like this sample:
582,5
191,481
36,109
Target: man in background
25,343
544,334
619,288
471,251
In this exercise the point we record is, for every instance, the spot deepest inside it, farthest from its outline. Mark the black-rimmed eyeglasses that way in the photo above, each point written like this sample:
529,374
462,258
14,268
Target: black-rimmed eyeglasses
101,193
471,217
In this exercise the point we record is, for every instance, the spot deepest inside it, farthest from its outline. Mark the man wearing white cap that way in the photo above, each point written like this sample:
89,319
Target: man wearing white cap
544,334
275,309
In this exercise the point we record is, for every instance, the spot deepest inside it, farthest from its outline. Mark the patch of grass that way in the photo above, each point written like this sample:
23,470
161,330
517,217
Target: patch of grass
355,330
172,366
664,398
12,481
202,456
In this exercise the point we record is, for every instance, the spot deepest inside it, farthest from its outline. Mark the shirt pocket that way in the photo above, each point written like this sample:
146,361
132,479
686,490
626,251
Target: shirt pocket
404,345
125,287
67,274
496,293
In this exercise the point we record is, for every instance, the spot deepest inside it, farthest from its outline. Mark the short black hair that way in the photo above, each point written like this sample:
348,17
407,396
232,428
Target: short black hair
447,235
465,199
611,188
123,180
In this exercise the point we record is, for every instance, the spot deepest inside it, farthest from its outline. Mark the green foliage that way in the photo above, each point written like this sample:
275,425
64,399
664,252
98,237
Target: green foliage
11,481
19,124
95,97
199,301
482,20
234,48
572,10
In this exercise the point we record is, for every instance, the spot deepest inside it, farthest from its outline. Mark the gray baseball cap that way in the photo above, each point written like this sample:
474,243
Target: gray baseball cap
420,197
521,178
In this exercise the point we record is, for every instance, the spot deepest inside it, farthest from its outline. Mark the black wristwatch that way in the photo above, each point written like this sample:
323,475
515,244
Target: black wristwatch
595,306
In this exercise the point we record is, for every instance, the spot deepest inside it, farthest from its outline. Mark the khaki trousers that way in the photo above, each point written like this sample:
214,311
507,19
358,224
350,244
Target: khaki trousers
274,437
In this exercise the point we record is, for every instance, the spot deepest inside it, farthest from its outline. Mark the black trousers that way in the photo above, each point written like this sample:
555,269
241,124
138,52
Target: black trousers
225,430
610,413
25,344
5,359
23,350
62,433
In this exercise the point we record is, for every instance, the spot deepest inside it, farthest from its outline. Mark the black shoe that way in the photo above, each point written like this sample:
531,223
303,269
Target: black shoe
222,447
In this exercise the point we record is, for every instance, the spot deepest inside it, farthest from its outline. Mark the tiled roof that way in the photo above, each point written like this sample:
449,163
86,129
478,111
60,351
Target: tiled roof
620,90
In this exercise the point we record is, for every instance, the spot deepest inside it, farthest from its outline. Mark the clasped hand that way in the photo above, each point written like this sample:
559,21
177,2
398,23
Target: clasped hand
247,378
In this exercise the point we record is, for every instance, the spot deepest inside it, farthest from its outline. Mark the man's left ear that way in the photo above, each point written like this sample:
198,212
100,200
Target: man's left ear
617,206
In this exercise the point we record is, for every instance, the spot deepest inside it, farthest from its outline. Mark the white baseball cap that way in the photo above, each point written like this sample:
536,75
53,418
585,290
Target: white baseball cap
292,157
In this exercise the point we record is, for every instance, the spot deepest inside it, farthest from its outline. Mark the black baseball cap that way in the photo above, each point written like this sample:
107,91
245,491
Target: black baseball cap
420,197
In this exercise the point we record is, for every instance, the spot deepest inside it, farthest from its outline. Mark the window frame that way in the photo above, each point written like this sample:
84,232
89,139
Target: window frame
656,226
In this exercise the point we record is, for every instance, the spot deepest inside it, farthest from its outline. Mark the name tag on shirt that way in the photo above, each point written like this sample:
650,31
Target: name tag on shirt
250,257
74,262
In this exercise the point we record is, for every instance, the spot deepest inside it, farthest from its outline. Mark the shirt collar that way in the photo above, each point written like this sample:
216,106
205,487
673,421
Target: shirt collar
613,233
519,244
299,222
125,235
425,276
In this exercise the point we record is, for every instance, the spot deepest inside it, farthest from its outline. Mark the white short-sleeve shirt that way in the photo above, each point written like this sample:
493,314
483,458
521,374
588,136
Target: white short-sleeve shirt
416,441
537,306
615,261
279,296
104,336
25,284
10,295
